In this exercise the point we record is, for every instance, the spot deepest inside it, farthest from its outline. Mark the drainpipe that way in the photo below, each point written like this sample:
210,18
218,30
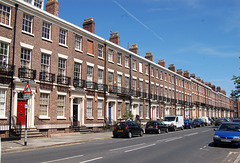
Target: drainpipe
149,90
105,78
175,96
14,42
130,85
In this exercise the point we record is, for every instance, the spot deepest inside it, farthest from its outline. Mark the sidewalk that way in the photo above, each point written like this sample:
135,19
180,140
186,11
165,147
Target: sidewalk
56,140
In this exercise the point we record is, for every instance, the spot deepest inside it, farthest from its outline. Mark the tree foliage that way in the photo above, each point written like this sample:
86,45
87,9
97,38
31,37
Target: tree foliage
236,93
127,115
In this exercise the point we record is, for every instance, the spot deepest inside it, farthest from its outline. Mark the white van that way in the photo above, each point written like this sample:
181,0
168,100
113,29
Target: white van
174,122
206,121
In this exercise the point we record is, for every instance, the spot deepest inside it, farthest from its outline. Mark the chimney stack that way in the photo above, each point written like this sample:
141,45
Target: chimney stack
134,48
149,56
179,71
199,79
171,67
218,89
52,7
223,92
213,87
115,38
89,25
192,76
161,62
186,74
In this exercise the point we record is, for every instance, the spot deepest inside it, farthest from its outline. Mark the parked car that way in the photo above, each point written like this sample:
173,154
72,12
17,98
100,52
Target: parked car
198,123
174,122
156,127
188,123
236,120
220,121
127,129
227,133
206,121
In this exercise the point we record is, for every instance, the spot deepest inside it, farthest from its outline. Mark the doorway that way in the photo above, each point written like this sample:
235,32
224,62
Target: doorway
75,112
21,111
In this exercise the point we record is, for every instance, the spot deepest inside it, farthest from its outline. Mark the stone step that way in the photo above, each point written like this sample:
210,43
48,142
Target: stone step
32,133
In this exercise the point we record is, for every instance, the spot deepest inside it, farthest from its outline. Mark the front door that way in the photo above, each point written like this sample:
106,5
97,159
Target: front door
110,114
21,111
75,115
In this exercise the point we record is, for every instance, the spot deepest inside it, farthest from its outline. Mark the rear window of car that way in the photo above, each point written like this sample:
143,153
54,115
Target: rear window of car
151,123
229,127
169,119
121,124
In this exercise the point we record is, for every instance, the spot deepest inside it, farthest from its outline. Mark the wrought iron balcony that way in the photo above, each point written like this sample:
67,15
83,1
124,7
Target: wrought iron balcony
79,83
145,95
91,85
164,98
101,87
6,69
65,80
47,77
168,99
26,73
160,98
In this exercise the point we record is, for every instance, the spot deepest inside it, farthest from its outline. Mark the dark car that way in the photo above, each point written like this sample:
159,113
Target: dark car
198,123
188,123
227,133
220,121
236,120
127,129
156,127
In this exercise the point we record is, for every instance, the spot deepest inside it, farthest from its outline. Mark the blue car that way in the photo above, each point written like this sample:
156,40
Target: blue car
188,123
228,133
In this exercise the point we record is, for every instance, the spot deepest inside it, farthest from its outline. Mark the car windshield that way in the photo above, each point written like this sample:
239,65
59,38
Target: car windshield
197,120
229,127
169,119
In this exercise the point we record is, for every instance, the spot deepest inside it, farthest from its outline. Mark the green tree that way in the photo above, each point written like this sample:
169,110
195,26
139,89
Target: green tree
127,115
236,93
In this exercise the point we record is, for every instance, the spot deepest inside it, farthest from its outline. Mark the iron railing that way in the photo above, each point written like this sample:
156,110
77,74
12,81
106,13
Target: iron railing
26,73
6,69
64,80
47,77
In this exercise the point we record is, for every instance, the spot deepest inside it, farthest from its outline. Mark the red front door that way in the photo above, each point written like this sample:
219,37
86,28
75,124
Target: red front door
21,111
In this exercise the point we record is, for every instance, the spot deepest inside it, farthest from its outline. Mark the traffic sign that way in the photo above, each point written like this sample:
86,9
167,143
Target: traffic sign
26,96
27,89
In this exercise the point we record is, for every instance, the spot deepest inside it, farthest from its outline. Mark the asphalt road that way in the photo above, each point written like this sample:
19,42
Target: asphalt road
185,146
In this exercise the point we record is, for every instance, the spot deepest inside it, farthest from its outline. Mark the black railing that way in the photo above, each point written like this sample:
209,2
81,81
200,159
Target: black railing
65,80
91,85
47,77
160,98
6,69
155,97
164,98
79,83
15,131
168,99
100,87
26,73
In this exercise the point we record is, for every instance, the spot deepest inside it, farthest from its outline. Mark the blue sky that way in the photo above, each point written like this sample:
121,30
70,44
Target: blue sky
202,36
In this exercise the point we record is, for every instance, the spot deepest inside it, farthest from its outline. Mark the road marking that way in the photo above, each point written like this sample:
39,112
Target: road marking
67,158
230,157
172,139
140,148
126,147
195,133
94,159
205,131
204,148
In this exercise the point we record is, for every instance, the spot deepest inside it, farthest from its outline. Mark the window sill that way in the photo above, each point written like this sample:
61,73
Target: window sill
3,118
101,58
61,118
45,39
90,54
100,118
7,26
111,62
90,118
135,70
119,64
79,50
140,72
65,46
44,118
126,67
30,34
146,74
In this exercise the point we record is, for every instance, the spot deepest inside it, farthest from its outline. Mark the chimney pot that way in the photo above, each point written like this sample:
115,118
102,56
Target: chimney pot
179,71
114,37
149,56
186,74
161,62
171,67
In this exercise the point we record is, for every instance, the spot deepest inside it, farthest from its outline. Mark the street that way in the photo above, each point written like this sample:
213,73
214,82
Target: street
189,145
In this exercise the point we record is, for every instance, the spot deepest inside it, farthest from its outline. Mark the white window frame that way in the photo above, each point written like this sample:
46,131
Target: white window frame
7,15
47,106
126,61
100,108
110,55
46,30
100,51
62,37
62,109
78,43
89,108
27,23
119,58
140,67
3,103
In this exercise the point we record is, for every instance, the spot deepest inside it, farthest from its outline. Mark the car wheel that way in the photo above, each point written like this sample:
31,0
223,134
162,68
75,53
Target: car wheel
159,131
146,132
174,129
141,133
129,135
166,130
